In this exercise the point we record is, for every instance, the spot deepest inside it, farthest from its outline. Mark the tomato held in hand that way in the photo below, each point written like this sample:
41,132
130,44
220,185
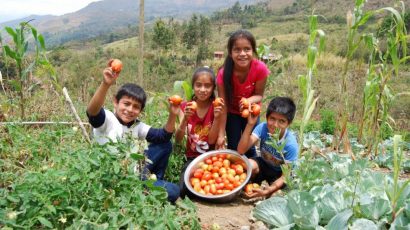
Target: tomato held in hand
245,113
175,99
245,103
256,109
217,102
193,106
116,65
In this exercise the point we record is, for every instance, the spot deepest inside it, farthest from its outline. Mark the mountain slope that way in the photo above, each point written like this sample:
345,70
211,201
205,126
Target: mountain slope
109,15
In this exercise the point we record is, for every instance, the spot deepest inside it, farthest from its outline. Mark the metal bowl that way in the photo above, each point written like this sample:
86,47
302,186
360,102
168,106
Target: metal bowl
235,157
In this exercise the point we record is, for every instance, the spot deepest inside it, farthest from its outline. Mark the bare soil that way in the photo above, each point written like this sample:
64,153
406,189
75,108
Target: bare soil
233,215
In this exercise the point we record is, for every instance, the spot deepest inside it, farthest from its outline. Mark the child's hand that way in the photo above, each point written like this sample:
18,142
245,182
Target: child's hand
252,119
220,143
109,75
190,109
218,107
173,109
243,104
256,192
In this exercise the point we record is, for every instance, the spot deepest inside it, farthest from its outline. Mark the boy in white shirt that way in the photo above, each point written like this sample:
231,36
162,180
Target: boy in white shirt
128,104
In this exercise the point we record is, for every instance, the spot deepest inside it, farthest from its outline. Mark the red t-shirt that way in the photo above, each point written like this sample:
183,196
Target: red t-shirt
198,131
258,71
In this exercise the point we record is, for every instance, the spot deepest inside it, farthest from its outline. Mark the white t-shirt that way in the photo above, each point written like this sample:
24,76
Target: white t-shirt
113,130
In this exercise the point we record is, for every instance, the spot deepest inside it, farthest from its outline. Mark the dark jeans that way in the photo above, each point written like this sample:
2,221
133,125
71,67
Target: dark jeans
159,155
265,172
235,125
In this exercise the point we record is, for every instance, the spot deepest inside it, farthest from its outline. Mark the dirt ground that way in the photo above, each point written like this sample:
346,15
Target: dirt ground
233,215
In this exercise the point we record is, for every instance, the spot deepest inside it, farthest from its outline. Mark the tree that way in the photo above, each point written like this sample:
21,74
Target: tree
163,35
191,34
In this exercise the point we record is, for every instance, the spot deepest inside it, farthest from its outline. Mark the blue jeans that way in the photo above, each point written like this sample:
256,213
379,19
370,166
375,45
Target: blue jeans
159,155
235,125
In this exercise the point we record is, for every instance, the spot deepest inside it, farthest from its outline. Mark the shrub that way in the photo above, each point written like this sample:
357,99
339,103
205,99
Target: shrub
328,123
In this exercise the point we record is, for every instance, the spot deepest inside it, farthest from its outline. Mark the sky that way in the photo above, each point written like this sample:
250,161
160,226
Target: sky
15,9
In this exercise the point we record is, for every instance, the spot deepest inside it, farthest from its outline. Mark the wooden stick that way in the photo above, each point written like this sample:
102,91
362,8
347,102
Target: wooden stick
80,123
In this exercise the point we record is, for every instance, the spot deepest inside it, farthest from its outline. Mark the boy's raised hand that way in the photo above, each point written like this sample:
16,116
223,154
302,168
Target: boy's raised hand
252,119
173,109
109,75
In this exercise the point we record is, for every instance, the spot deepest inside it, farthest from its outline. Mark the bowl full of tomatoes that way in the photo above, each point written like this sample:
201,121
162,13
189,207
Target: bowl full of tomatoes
218,176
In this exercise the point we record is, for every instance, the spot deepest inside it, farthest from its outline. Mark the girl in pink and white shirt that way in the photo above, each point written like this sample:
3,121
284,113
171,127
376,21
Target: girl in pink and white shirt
242,76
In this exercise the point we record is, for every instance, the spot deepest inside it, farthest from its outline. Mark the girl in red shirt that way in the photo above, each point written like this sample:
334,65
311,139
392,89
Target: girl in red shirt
242,76
200,120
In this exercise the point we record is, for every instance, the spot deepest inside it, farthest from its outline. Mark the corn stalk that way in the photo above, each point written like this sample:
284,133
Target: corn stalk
354,22
383,65
395,192
19,53
305,81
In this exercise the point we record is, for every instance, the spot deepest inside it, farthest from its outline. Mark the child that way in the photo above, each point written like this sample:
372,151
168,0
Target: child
242,76
129,102
200,119
279,115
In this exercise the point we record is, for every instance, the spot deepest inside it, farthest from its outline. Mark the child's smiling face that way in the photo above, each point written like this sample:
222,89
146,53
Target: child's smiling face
277,121
203,86
242,53
127,109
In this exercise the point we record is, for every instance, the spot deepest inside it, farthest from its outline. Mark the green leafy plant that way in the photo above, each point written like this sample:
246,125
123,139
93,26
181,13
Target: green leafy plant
327,123
397,190
305,81
378,95
278,145
81,186
25,65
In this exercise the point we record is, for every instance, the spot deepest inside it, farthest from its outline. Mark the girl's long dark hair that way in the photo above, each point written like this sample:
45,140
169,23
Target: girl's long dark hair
229,64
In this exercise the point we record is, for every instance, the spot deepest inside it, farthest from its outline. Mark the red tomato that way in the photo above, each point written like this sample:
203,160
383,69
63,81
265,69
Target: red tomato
219,186
215,175
203,183
221,155
239,169
208,161
116,65
229,187
218,180
175,99
217,102
226,163
232,172
222,171
194,181
207,176
256,109
245,113
218,163
214,158
213,189
207,188
249,188
231,178
236,184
